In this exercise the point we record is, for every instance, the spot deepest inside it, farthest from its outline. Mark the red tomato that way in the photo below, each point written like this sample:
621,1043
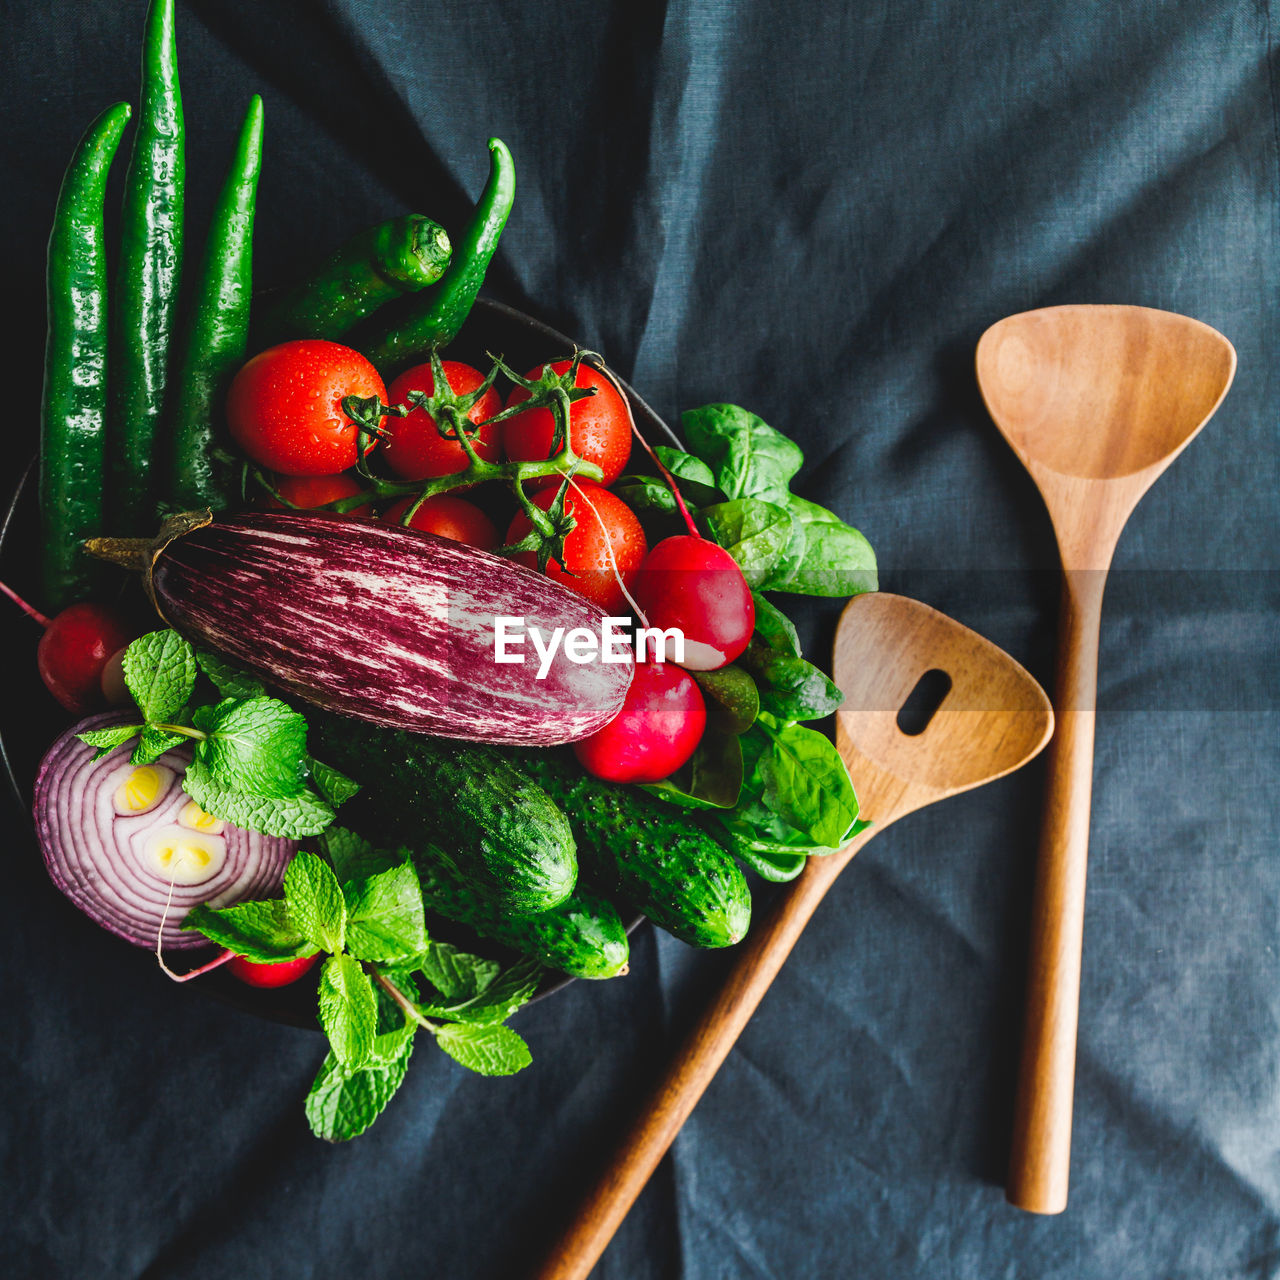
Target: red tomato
280,974
588,544
309,492
284,407
415,449
599,426
448,517
657,730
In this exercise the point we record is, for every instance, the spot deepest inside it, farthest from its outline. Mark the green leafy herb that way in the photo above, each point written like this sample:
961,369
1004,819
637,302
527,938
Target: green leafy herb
153,743
298,816
259,931
348,1011
344,1102
334,787
487,1050
160,673
315,901
229,680
456,974
385,915
503,995
108,739
256,746
353,857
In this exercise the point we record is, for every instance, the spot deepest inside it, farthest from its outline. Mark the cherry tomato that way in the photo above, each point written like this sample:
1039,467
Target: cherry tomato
279,974
284,407
75,649
611,525
448,517
309,492
415,448
599,426
657,730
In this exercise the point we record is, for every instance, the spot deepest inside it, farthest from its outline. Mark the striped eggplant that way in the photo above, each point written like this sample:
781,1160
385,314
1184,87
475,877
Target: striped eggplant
376,621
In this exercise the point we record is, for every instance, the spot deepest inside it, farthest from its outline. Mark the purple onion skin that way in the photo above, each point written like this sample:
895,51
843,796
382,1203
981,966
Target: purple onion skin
96,856
386,624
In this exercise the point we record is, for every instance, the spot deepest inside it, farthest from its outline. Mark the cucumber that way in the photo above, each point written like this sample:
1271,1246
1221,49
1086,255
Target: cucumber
583,936
652,857
504,835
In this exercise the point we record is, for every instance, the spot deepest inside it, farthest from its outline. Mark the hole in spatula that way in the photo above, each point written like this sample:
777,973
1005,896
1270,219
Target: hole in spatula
923,702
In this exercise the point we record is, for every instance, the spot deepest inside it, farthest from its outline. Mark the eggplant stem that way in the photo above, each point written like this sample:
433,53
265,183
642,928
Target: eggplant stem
128,553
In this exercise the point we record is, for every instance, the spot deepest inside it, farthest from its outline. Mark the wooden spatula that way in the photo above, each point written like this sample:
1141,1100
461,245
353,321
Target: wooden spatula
1096,401
992,719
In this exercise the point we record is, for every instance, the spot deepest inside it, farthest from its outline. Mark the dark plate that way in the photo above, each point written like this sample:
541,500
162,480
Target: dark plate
524,343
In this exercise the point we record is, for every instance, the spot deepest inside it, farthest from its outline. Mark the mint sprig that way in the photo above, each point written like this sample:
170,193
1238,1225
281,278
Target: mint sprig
384,979
249,765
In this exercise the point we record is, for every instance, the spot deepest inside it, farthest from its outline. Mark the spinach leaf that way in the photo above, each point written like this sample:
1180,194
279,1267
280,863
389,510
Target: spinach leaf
731,698
712,779
796,792
753,532
790,688
695,478
778,867
837,559
748,458
774,627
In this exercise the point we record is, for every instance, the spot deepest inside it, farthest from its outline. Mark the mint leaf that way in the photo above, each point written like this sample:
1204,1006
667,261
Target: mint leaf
259,931
109,739
488,1050
384,915
353,857
256,746
512,988
160,672
343,1103
153,743
315,903
229,680
348,1011
455,974
302,815
335,787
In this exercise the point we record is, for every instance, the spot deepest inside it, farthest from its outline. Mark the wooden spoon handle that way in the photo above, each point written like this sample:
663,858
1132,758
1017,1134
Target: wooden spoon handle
1040,1160
758,960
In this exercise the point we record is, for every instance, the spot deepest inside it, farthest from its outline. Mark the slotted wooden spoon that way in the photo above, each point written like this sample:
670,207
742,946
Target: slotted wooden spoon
1096,401
992,720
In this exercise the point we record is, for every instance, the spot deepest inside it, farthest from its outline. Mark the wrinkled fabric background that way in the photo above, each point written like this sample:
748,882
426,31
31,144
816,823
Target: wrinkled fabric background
813,211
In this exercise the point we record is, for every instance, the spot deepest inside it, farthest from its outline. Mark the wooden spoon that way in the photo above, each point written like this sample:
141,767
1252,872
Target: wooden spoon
992,720
1096,402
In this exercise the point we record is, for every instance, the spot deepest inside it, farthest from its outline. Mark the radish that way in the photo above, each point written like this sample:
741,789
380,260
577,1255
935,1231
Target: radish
694,586
278,974
74,651
657,730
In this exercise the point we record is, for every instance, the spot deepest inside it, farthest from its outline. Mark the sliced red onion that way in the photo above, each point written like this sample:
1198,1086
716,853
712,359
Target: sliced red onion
122,842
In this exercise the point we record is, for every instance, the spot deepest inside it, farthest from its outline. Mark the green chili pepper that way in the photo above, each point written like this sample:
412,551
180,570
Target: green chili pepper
436,321
149,277
384,262
219,331
74,409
